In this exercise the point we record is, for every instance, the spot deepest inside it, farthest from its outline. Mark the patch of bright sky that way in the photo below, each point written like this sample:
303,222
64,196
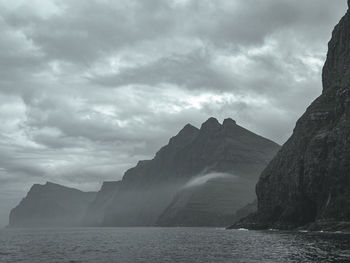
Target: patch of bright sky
270,45
180,3
313,63
176,100
241,61
41,8
107,110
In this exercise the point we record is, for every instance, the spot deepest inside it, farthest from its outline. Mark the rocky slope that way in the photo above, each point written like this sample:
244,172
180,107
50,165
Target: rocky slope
308,183
51,205
155,192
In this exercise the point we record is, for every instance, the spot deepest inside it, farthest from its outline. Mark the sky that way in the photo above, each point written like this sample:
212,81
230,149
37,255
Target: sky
89,87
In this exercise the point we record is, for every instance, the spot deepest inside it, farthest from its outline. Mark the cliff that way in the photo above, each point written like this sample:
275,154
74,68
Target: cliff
95,211
156,192
308,183
200,178
51,205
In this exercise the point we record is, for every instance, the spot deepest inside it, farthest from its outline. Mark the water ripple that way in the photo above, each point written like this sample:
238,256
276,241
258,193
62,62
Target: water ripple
138,245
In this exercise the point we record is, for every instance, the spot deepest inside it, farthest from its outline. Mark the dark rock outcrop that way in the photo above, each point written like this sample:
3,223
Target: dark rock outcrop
155,192
51,205
308,182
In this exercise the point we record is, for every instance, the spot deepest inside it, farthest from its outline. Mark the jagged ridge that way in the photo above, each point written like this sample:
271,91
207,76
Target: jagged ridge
149,187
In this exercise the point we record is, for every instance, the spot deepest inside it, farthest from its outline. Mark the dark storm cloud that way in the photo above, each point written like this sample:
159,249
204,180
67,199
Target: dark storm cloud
88,88
84,31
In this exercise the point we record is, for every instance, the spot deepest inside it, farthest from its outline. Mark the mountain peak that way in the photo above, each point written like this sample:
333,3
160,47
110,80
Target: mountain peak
229,122
185,136
188,129
51,183
211,124
187,132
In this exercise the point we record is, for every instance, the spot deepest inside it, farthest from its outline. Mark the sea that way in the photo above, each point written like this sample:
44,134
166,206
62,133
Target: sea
161,245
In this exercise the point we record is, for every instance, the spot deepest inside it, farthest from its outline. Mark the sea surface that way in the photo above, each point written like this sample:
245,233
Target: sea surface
153,245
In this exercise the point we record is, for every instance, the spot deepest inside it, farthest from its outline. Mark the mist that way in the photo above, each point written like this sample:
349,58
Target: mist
202,179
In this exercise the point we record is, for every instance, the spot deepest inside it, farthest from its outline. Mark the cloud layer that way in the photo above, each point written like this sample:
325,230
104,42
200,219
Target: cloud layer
87,88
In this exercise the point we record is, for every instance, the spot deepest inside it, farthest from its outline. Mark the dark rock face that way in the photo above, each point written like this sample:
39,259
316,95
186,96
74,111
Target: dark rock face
308,182
336,72
95,211
154,191
51,205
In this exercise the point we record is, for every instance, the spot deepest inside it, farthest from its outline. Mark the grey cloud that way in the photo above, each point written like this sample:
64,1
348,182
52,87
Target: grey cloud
19,59
192,71
86,30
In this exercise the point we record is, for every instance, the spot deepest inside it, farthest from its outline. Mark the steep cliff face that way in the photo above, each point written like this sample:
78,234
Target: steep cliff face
95,211
155,186
164,166
336,72
308,182
51,205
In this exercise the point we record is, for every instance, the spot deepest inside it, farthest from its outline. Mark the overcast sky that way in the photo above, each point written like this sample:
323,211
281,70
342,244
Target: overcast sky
88,87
